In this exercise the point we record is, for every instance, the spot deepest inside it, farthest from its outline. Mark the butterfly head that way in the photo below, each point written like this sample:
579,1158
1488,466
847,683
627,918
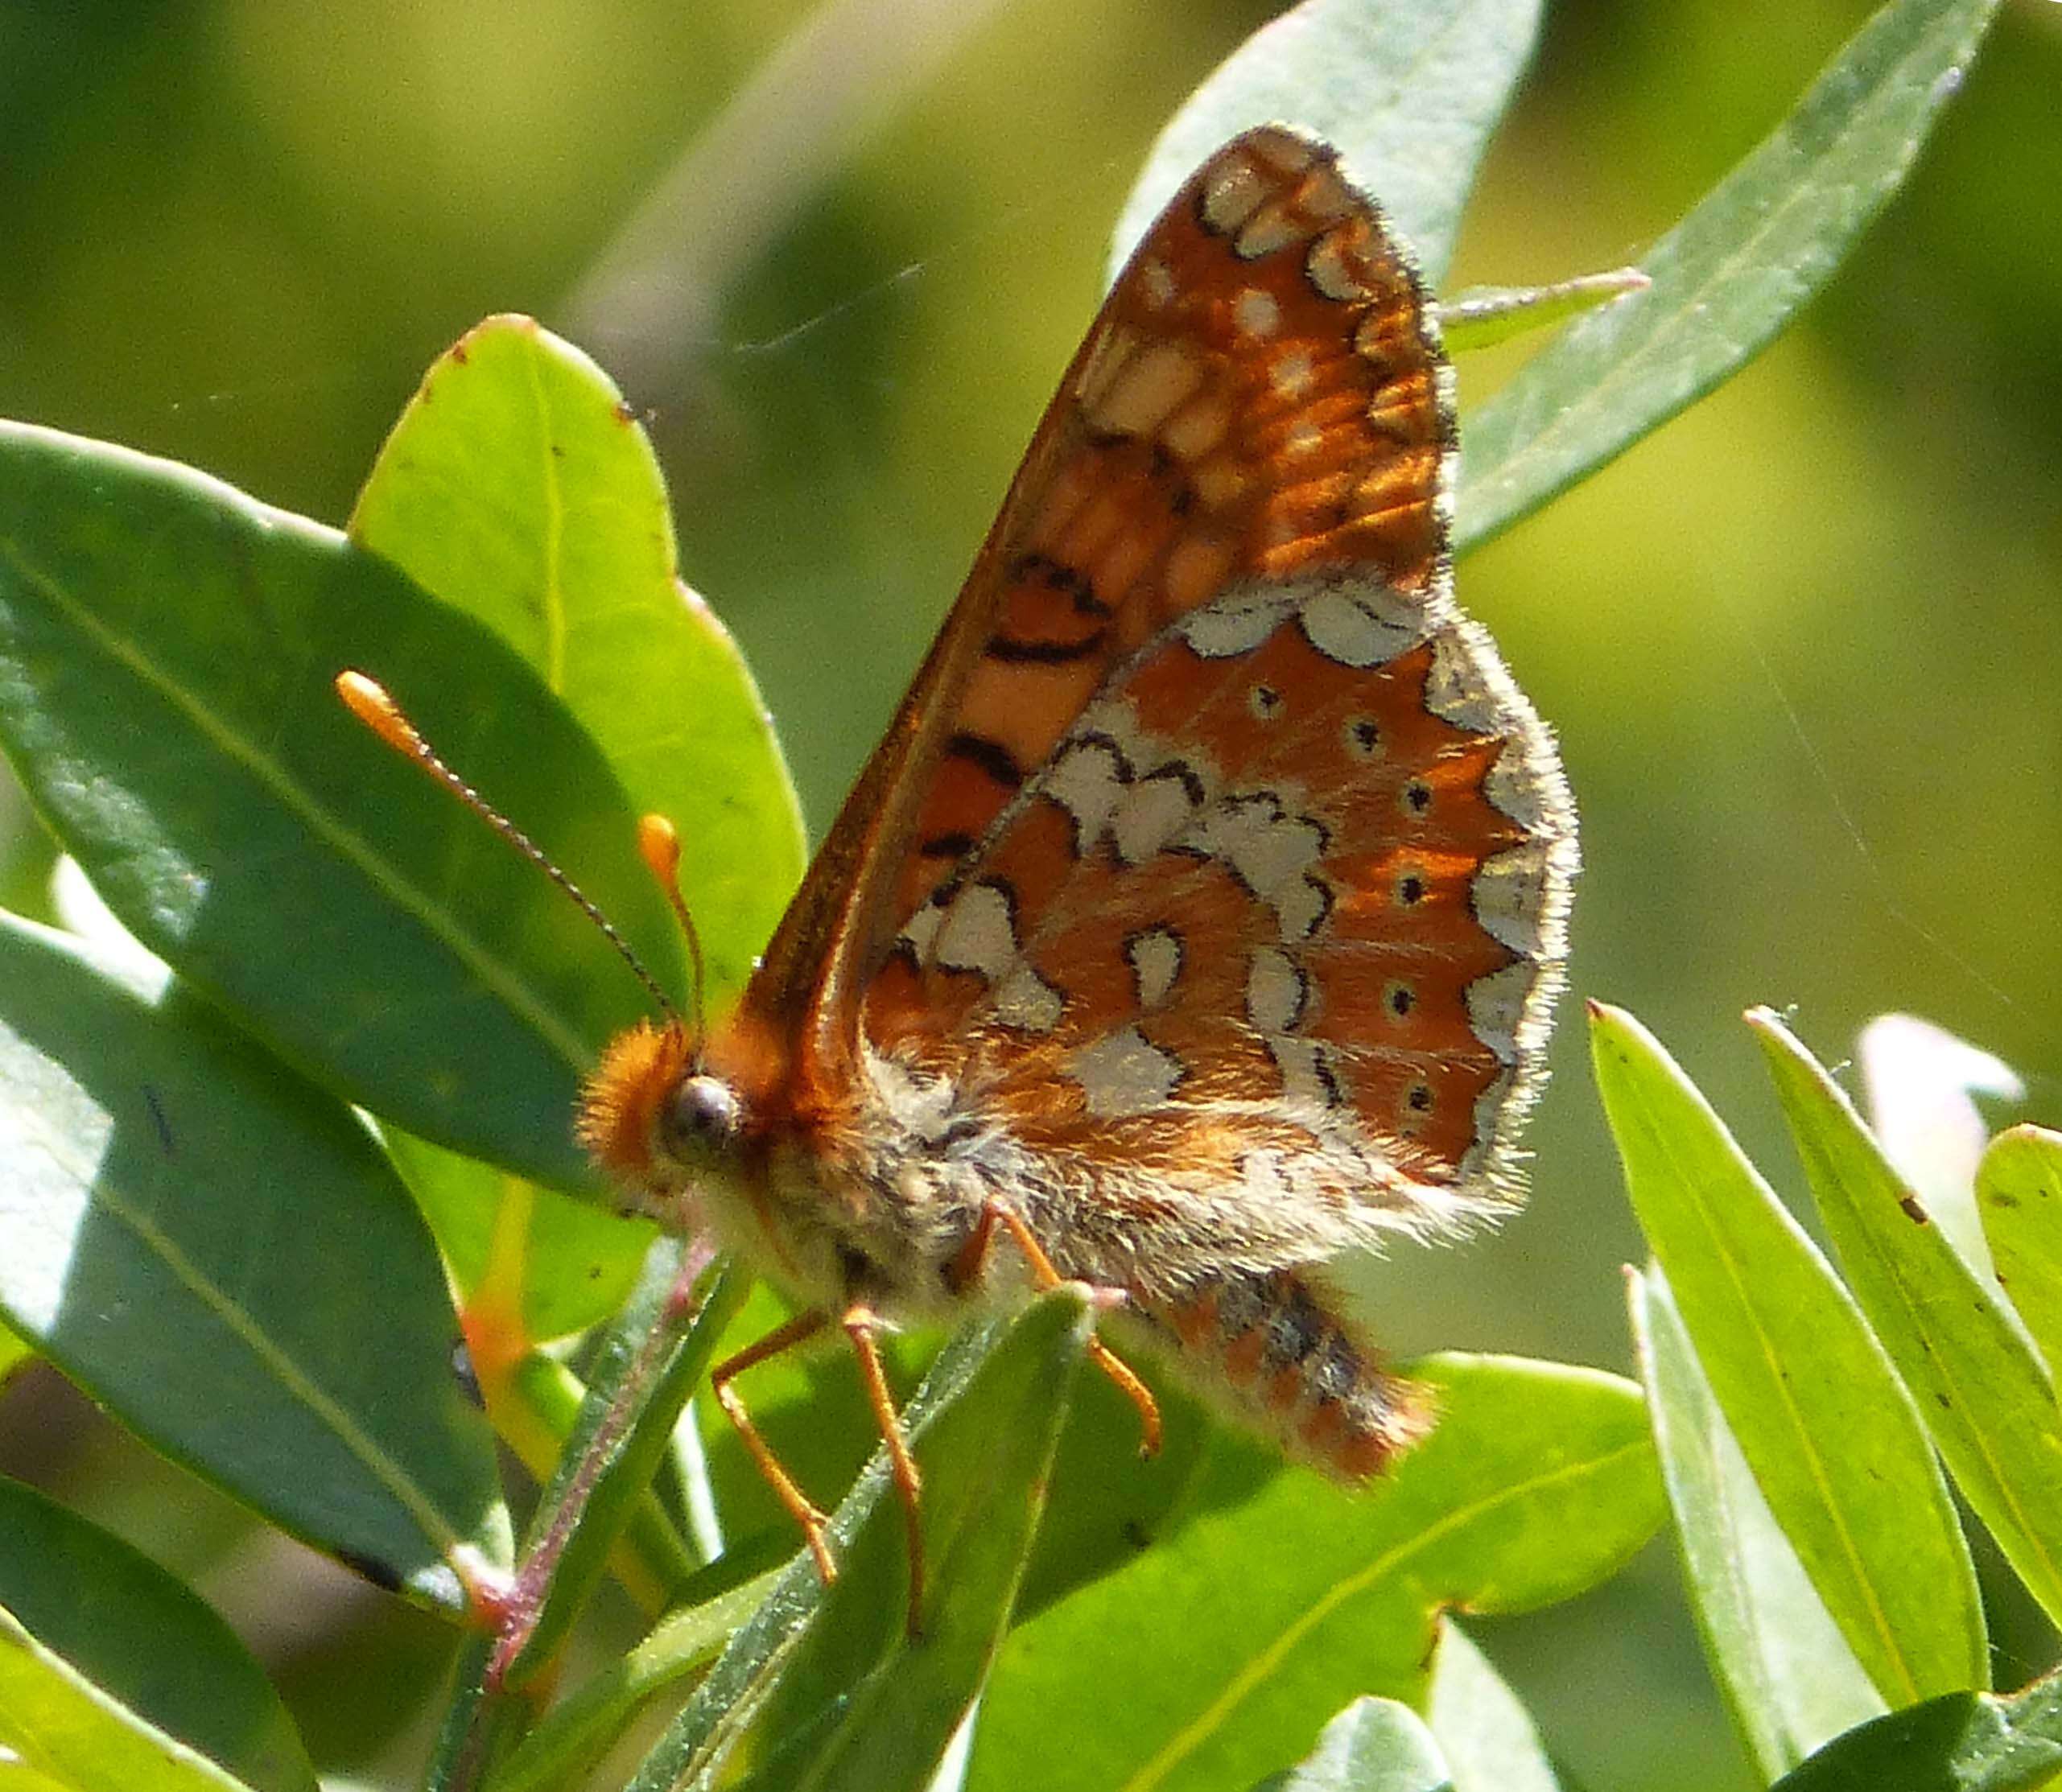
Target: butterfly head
649,1113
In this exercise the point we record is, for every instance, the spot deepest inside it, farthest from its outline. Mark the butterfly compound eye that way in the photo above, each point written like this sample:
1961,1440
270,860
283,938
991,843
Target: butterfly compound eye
698,1117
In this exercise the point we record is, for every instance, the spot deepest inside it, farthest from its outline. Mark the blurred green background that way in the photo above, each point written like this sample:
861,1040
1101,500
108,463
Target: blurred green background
1802,647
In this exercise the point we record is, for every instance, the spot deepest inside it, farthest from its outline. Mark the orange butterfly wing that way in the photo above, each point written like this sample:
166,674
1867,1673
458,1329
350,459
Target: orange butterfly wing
1259,399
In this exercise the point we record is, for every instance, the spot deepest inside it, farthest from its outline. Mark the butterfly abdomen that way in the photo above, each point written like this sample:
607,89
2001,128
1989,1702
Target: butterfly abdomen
1271,1348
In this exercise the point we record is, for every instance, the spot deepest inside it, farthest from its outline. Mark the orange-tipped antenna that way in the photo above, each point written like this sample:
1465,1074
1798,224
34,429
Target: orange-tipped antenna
660,844
367,699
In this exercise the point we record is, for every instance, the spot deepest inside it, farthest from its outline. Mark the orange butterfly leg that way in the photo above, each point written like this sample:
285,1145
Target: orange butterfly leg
861,1324
804,1511
967,1269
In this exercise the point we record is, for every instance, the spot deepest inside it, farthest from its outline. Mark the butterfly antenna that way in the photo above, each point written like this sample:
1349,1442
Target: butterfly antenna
660,844
368,700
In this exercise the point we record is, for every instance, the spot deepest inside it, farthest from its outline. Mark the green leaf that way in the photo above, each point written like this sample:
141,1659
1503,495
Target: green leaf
1408,95
824,1688
61,1724
571,1264
1965,1742
1485,1733
1484,315
218,1252
1261,1620
2018,1188
1984,1393
148,1646
1727,279
650,1364
1791,1681
167,650
519,487
1374,1745
1831,1434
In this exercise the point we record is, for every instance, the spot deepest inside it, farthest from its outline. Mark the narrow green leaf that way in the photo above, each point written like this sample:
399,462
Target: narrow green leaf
1790,1680
650,1364
1374,1745
1484,315
1484,1732
519,487
59,1722
167,650
1965,1742
823,1688
1832,1436
1261,1620
1984,1393
1727,279
198,1237
1408,95
2018,1188
561,1750
143,1640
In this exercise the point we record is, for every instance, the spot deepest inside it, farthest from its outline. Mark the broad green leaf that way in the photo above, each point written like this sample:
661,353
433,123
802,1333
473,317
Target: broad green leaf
1965,1742
1727,279
824,1688
1408,95
1829,1432
2018,1189
1984,1393
15,1351
143,1641
218,1252
1920,1081
1791,1681
1374,1745
651,1363
1261,1620
520,487
1484,1732
167,650
59,1722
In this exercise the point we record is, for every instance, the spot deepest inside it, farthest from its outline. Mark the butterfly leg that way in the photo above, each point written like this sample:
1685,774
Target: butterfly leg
966,1271
800,1508
862,1326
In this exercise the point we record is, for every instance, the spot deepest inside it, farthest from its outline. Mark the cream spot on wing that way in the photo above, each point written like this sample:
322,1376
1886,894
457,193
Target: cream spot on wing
1124,1073
1106,360
1509,895
1087,780
1302,437
1150,814
1145,390
1219,483
1496,1008
1272,228
1291,373
1196,429
1230,190
1256,313
979,933
1156,282
921,932
1275,991
1155,956
1366,627
1027,1002
1233,624
1306,1076
1331,270
1272,854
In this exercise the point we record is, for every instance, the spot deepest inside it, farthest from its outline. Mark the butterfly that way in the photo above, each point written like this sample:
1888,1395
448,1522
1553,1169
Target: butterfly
1200,917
